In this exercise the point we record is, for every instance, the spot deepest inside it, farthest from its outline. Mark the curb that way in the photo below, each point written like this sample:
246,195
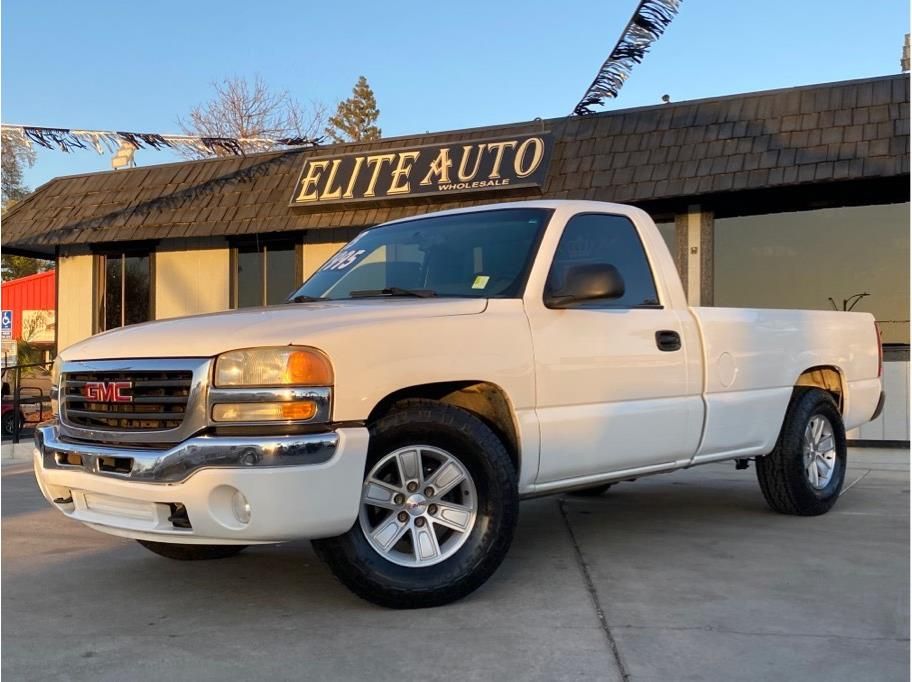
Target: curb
18,452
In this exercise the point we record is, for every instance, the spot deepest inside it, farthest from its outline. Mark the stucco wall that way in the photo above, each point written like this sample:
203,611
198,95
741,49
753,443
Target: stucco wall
191,281
893,422
74,303
319,245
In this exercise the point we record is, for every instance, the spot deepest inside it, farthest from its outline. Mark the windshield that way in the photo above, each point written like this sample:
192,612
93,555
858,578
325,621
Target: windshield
486,254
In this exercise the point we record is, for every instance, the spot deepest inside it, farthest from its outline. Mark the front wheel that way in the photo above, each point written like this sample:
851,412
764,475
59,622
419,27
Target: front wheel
439,504
183,552
803,475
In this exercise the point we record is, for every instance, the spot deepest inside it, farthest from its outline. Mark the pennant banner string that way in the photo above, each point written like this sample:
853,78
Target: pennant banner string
109,141
646,26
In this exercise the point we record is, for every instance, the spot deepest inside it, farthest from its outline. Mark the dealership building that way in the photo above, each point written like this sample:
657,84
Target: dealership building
794,198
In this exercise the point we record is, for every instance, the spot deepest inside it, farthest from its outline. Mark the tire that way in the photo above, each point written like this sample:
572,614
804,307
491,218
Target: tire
594,491
785,475
182,552
398,578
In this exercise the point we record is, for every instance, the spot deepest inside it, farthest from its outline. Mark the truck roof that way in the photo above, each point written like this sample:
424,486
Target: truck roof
575,205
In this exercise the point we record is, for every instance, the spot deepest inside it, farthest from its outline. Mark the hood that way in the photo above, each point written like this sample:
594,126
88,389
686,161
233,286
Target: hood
294,323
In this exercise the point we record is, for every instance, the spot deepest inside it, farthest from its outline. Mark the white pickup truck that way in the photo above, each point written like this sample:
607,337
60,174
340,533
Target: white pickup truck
431,374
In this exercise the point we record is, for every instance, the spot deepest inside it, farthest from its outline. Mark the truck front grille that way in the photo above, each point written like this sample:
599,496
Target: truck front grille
126,400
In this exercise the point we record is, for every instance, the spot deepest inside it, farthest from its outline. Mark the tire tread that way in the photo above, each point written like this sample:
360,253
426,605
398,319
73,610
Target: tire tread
355,574
777,483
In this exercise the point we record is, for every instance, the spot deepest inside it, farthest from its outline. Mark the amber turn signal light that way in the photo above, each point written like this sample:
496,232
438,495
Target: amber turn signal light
299,410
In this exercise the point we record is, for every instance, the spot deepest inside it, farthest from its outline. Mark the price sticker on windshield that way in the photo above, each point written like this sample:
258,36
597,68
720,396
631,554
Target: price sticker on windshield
343,259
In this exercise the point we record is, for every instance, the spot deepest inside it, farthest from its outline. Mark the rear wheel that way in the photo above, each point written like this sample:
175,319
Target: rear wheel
805,472
438,508
182,552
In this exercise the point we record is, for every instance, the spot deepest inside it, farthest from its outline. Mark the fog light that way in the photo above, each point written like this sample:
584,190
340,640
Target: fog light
255,412
241,507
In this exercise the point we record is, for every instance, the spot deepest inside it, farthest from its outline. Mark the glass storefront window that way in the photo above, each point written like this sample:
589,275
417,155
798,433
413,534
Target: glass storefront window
804,259
265,273
126,290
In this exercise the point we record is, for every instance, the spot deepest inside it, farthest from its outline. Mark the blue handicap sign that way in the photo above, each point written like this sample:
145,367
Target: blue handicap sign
7,319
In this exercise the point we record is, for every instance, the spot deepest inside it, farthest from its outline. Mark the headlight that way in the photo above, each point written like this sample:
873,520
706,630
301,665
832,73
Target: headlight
282,366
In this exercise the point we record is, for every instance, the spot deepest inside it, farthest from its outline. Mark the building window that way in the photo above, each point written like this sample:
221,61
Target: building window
125,290
817,260
265,272
601,238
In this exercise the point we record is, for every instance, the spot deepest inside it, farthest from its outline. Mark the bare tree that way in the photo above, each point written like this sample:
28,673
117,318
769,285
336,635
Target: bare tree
244,108
14,156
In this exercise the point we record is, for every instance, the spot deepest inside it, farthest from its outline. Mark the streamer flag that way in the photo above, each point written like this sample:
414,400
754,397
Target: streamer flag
109,141
646,26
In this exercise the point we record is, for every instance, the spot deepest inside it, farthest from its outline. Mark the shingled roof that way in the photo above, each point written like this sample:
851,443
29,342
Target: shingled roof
851,130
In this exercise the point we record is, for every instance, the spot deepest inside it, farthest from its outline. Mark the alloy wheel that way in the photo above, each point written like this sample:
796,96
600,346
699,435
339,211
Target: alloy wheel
819,452
418,506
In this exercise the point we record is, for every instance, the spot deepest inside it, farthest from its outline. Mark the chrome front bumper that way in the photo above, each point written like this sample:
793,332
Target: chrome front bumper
296,487
175,464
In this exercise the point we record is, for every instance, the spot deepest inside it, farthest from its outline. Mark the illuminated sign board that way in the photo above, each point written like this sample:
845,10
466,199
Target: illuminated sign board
427,170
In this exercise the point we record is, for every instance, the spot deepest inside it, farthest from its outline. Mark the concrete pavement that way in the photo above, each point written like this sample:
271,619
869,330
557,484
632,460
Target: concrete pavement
16,452
684,576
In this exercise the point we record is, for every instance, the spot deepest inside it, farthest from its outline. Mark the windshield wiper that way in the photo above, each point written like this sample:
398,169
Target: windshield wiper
304,299
393,291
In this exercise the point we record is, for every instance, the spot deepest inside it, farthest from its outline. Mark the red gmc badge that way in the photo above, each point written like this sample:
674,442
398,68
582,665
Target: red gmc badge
108,391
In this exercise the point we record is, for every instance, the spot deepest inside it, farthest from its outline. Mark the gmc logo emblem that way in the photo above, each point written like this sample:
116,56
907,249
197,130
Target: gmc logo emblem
108,391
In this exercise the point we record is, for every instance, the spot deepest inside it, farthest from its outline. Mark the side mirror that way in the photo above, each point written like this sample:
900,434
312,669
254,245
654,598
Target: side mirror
590,282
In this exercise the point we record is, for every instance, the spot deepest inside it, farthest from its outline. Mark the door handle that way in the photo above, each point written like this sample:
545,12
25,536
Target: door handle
668,340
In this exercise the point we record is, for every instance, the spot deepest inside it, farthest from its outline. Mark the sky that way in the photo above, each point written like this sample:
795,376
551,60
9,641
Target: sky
138,66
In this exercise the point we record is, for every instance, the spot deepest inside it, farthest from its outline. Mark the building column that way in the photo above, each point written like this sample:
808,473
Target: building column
76,299
694,257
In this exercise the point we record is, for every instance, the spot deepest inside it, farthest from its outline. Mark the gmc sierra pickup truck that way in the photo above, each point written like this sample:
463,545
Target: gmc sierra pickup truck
431,374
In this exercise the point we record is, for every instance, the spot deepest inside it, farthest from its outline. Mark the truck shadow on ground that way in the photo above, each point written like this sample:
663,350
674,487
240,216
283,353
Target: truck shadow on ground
266,582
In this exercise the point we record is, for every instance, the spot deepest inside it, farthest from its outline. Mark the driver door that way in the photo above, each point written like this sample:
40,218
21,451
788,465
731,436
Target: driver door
612,389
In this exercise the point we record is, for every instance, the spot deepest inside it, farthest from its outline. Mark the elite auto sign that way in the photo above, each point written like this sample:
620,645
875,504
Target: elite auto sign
435,169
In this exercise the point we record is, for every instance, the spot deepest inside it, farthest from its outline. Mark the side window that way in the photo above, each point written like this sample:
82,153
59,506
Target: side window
599,238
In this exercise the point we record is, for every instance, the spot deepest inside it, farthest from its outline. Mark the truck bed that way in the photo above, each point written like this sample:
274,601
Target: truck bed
753,359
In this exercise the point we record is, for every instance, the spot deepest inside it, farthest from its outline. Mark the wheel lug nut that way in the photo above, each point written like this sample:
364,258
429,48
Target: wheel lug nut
432,509
429,492
403,517
399,498
419,522
412,486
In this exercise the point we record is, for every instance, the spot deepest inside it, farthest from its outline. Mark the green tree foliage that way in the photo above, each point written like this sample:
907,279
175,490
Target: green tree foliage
14,267
355,117
13,158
